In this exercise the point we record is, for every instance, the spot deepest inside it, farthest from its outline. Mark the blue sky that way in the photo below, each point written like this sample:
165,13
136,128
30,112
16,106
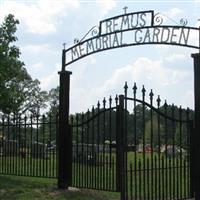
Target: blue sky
46,24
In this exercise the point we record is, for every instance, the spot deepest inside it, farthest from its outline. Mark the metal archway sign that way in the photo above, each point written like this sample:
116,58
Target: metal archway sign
131,29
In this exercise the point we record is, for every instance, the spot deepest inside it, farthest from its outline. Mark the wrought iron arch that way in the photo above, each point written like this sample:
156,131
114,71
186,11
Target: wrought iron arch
146,28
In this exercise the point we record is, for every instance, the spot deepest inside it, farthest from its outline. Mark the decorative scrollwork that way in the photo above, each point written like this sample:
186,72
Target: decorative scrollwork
95,31
183,22
158,19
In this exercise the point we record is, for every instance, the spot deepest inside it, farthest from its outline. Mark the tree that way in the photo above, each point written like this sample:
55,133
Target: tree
53,99
18,92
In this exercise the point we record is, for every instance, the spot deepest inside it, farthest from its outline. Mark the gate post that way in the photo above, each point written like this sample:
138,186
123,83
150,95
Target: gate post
120,175
65,133
196,58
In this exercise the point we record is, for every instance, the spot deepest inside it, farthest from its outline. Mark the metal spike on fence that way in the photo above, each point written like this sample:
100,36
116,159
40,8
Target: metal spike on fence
92,110
88,112
173,107
165,104
151,96
158,101
116,99
125,89
104,102
98,105
143,91
72,119
77,118
110,101
134,90
180,109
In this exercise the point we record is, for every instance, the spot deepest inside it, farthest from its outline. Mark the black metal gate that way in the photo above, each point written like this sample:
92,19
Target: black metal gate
138,149
94,148
159,167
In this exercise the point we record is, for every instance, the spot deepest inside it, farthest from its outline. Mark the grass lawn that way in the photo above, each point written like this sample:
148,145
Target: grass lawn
150,176
28,188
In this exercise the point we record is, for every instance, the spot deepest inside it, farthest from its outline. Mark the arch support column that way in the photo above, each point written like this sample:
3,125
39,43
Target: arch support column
196,140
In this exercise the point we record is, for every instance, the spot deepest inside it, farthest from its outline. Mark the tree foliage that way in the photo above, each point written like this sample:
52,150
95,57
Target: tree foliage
18,91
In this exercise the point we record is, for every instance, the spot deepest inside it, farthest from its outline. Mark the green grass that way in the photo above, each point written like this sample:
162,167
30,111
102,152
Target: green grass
150,174
28,188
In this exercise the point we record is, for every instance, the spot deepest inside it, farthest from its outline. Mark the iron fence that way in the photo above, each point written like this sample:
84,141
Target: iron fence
129,145
28,145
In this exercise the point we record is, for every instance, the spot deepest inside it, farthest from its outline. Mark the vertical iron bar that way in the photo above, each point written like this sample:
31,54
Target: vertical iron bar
184,179
159,147
2,145
104,136
110,138
82,150
155,174
55,149
188,155
87,150
107,173
43,147
135,138
24,151
76,154
177,179
20,166
148,180
151,141
15,145
131,181
48,153
93,152
31,148
113,172
125,141
47,124
192,158
170,179
163,175
144,149
9,146
180,144
38,154
98,143
140,180
173,153
166,149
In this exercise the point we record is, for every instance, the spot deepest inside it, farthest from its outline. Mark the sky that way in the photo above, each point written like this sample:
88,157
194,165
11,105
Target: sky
46,24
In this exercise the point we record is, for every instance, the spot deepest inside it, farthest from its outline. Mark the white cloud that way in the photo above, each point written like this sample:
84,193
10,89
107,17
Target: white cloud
37,66
106,6
175,57
51,79
173,13
36,48
146,71
38,16
151,73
